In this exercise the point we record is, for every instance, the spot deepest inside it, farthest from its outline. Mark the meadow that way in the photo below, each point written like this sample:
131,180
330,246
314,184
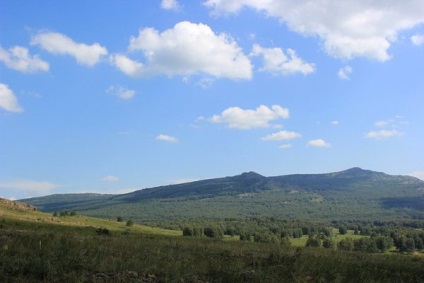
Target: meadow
41,247
45,252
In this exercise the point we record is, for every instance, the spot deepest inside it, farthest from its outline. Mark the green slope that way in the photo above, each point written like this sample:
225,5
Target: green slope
20,214
351,194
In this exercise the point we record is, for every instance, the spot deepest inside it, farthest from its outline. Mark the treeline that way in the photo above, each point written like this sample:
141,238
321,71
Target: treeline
377,236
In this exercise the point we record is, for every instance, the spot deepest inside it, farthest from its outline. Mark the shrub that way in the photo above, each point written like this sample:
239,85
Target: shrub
103,231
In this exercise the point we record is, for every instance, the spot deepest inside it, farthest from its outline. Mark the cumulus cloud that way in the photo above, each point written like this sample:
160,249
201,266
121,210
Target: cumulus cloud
8,100
60,44
348,29
19,59
282,135
245,119
318,143
29,187
121,92
417,39
166,138
383,134
278,62
110,178
170,5
345,72
187,49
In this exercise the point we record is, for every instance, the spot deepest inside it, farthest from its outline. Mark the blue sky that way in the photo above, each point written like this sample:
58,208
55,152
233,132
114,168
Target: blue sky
115,96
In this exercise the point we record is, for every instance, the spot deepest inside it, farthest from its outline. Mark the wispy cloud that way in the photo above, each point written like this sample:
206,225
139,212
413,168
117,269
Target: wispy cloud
121,92
345,72
60,44
19,59
278,62
170,5
417,39
166,138
244,119
110,178
285,146
282,135
387,128
318,143
383,134
29,186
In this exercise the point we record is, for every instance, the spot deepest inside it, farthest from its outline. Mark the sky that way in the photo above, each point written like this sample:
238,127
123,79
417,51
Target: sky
115,96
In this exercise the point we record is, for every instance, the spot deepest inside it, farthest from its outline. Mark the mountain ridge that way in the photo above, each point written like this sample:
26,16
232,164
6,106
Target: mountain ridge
354,192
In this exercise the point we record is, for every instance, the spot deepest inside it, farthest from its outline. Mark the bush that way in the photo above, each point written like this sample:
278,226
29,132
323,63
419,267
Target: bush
103,231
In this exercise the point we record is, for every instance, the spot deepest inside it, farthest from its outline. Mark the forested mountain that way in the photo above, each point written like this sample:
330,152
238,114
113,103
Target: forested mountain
351,194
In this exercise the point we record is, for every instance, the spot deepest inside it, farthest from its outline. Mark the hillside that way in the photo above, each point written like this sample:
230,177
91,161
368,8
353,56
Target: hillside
24,215
351,194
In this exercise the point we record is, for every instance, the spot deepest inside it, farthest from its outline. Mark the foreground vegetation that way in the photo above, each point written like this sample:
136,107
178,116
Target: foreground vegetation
40,247
42,252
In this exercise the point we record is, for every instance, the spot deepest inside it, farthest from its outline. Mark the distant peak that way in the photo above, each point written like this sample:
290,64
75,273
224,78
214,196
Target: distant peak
251,175
355,169
358,172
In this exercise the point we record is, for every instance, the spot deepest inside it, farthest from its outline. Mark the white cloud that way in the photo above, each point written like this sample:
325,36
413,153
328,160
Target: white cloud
19,59
188,49
277,62
318,143
121,92
281,135
383,123
334,123
383,134
417,174
238,118
166,138
29,187
170,5
285,146
417,39
348,29
126,65
345,72
8,100
57,43
110,178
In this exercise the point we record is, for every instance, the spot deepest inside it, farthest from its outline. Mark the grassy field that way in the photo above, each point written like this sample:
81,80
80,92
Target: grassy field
36,247
10,213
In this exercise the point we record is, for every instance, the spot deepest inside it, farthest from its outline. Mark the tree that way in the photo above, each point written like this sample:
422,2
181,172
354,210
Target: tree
119,219
313,242
188,231
342,230
130,223
329,243
345,244
214,232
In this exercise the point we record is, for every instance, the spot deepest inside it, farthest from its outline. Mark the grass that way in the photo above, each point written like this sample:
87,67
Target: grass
35,247
31,216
